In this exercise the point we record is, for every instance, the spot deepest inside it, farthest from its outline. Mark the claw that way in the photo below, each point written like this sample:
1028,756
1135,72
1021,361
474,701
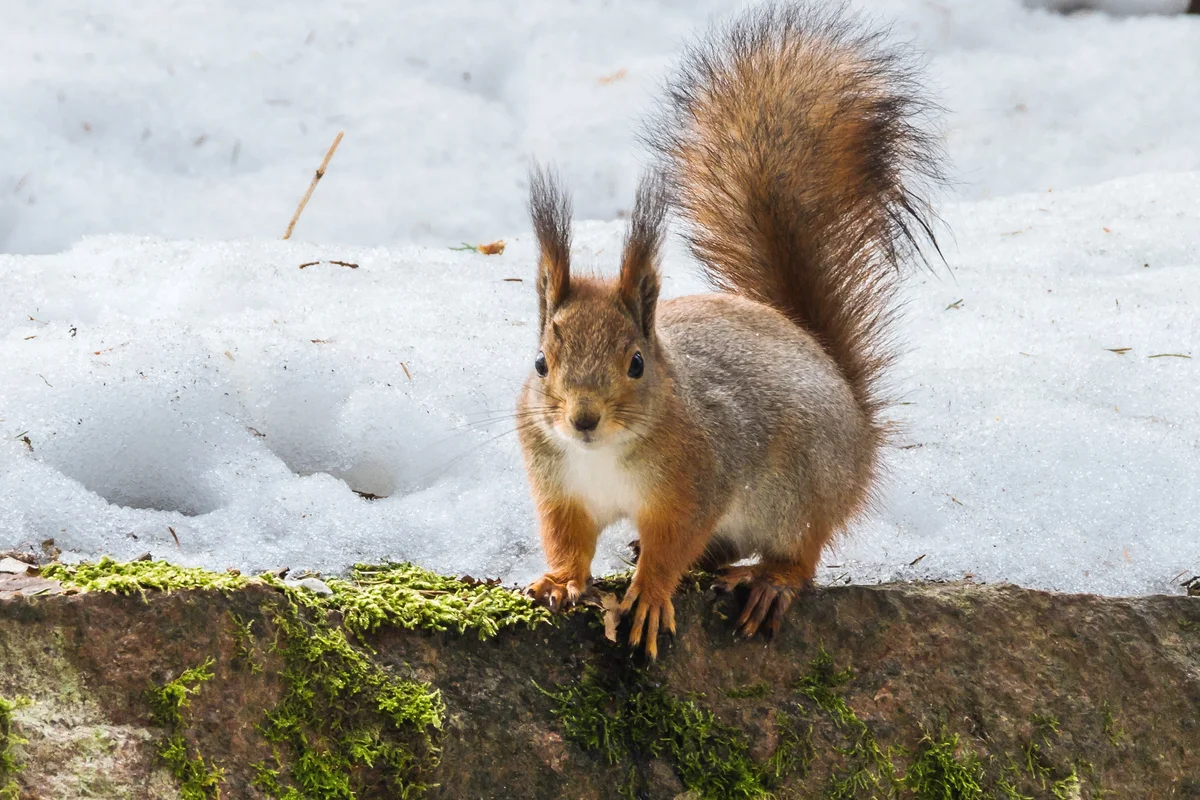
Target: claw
782,604
758,605
556,595
648,616
767,601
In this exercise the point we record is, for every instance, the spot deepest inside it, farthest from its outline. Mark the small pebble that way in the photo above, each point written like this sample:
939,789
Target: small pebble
314,585
11,566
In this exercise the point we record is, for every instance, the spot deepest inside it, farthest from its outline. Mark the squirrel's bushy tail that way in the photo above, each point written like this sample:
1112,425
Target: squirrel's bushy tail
794,139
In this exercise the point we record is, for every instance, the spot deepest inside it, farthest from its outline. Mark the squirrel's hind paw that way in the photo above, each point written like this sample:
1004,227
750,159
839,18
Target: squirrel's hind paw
767,602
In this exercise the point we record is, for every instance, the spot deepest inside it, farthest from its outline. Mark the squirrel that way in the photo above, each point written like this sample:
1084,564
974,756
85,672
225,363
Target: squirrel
746,422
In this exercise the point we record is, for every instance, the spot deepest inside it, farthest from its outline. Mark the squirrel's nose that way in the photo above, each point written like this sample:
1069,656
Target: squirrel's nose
586,422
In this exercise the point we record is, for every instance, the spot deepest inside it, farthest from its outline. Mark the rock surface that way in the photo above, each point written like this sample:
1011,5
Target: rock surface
1068,695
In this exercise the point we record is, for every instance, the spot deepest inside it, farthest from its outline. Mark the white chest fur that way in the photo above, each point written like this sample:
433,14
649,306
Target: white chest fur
599,480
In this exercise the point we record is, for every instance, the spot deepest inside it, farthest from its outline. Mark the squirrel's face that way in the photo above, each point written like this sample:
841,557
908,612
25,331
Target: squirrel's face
597,368
596,372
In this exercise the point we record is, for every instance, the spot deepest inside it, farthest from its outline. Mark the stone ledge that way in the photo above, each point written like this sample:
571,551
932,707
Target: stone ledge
1046,693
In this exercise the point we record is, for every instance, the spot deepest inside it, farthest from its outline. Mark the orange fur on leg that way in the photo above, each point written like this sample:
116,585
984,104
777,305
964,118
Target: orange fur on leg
569,539
670,542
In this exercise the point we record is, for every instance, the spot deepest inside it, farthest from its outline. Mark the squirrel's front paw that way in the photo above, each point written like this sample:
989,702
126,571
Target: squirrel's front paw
652,612
548,591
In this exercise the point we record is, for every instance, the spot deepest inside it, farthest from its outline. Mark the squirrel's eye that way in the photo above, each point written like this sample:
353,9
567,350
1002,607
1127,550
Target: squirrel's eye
539,364
637,366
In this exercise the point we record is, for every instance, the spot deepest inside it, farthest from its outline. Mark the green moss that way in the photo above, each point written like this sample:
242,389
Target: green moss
1112,731
346,723
135,577
168,701
1041,765
626,715
759,689
867,768
403,595
940,771
243,634
616,582
794,753
1035,762
1045,726
407,596
9,765
267,778
197,780
1007,790
1067,788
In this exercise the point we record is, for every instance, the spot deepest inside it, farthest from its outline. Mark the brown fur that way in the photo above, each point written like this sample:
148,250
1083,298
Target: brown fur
754,426
792,141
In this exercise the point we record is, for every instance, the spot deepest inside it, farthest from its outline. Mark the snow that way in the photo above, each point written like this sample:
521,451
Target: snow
205,118
217,394
188,390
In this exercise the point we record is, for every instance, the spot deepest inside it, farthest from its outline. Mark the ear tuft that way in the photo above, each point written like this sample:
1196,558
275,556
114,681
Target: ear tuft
550,210
639,282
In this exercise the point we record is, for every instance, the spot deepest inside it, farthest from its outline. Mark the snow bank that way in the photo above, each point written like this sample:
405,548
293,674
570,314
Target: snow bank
215,404
205,118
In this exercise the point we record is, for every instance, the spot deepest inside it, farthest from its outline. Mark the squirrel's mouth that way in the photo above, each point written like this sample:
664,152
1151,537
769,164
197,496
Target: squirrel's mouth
587,440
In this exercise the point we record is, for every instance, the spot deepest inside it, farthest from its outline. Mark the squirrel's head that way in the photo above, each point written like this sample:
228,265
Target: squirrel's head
598,370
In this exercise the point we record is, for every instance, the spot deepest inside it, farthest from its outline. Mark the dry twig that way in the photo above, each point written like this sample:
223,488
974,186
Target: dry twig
320,174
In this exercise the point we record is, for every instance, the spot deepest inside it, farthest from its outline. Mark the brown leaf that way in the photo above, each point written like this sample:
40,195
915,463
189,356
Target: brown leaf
612,615
492,248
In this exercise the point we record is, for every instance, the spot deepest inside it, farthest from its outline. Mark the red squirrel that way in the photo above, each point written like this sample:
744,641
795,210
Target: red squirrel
746,422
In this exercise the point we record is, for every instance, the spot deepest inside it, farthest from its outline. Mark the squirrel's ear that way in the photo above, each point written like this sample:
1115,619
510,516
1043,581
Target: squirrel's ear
639,281
550,209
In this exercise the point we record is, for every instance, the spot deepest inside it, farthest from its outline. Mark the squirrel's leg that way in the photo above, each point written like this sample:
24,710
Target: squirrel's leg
569,537
776,580
670,542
